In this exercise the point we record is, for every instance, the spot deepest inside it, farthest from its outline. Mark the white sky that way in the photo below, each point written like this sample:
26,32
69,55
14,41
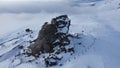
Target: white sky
7,2
31,0
33,6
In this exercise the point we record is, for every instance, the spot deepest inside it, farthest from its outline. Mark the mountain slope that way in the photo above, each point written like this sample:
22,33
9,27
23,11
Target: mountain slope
99,42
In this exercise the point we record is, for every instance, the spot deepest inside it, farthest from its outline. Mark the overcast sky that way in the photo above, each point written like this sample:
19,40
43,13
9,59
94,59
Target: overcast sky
7,6
37,6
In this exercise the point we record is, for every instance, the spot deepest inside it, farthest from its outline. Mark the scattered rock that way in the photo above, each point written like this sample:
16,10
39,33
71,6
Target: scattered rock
28,30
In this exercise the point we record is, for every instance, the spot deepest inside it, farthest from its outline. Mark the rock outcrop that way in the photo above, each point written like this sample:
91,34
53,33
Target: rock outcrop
50,36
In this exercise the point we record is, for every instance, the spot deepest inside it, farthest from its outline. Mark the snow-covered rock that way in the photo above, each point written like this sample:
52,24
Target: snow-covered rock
96,47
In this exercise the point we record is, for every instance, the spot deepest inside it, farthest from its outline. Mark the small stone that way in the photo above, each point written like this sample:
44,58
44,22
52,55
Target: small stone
27,30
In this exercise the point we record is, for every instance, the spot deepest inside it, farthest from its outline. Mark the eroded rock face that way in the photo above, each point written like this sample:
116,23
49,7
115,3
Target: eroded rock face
51,35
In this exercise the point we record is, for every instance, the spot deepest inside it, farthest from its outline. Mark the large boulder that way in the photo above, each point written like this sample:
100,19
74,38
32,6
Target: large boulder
50,36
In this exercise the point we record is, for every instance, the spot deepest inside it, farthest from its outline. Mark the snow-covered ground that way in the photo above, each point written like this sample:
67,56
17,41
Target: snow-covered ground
99,21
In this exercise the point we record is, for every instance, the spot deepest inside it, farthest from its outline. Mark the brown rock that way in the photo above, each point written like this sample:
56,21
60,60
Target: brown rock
48,35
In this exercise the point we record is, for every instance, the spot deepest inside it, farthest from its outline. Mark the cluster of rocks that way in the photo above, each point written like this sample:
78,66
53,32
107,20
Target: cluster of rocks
52,39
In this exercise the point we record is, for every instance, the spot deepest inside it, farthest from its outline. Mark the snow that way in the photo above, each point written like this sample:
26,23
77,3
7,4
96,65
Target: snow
28,65
17,62
86,61
100,40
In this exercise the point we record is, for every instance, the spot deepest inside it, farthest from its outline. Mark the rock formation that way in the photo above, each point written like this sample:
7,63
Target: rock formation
50,36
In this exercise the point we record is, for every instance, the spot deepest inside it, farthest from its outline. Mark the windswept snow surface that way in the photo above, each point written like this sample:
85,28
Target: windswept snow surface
100,23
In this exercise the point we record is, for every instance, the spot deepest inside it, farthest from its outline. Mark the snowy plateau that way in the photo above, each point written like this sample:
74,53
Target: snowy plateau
96,22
